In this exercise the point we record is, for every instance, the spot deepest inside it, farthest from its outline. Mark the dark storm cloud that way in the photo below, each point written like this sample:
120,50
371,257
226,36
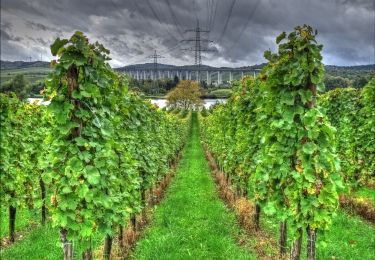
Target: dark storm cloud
41,27
133,29
7,37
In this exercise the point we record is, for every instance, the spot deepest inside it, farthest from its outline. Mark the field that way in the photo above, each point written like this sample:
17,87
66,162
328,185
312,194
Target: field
32,74
282,170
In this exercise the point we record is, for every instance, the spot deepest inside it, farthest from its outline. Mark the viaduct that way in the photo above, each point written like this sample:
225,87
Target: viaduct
210,75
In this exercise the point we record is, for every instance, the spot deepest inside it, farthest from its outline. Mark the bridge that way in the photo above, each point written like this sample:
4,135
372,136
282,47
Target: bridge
210,75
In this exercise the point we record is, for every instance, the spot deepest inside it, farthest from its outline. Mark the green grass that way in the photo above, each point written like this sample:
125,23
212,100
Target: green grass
192,222
38,242
349,237
221,93
24,218
366,193
43,243
32,74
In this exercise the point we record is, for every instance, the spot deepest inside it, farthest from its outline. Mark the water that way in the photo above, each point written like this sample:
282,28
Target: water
39,101
160,102
207,102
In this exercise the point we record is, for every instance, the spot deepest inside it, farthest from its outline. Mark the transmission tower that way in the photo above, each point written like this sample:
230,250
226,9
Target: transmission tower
155,71
198,40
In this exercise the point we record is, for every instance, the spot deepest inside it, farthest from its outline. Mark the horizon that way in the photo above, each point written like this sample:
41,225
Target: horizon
150,63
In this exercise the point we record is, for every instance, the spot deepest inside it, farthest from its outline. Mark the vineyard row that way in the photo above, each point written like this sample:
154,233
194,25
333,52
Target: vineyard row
290,149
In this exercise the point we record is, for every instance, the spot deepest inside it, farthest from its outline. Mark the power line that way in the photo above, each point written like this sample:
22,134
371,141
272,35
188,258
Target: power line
173,48
133,61
227,20
195,9
212,5
174,19
135,8
174,25
208,13
153,11
214,16
159,20
140,11
245,25
198,45
197,40
155,57
136,61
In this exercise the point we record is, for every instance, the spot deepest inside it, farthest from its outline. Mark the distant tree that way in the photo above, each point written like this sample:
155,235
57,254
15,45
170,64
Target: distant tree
332,82
36,88
176,80
185,95
360,81
203,84
148,86
18,85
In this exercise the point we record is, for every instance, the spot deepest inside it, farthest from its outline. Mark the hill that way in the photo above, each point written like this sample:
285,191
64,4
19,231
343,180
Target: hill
5,65
192,67
336,76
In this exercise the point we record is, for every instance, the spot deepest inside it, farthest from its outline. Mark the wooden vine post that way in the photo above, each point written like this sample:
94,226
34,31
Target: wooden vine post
12,223
311,233
43,197
72,85
283,237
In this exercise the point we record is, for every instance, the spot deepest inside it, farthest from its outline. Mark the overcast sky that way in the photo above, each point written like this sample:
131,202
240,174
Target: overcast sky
241,30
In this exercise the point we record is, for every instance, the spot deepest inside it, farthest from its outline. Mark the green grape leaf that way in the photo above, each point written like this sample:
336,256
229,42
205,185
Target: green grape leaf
58,43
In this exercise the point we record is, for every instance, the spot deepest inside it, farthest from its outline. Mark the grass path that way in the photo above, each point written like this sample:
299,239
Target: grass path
192,222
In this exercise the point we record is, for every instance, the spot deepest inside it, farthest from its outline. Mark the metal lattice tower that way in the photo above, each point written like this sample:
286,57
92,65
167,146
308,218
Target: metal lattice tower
198,45
155,56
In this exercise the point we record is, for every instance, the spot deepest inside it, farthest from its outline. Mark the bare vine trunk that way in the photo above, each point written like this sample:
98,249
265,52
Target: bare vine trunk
283,237
296,248
87,255
43,190
121,237
311,233
72,78
12,223
143,194
67,246
152,196
134,222
143,202
107,247
257,217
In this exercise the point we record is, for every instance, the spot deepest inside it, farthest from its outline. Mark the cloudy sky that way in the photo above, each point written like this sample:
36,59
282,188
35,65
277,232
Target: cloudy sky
240,30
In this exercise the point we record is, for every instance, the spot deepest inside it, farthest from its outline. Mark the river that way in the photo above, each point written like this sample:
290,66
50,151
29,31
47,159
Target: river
160,102
207,102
